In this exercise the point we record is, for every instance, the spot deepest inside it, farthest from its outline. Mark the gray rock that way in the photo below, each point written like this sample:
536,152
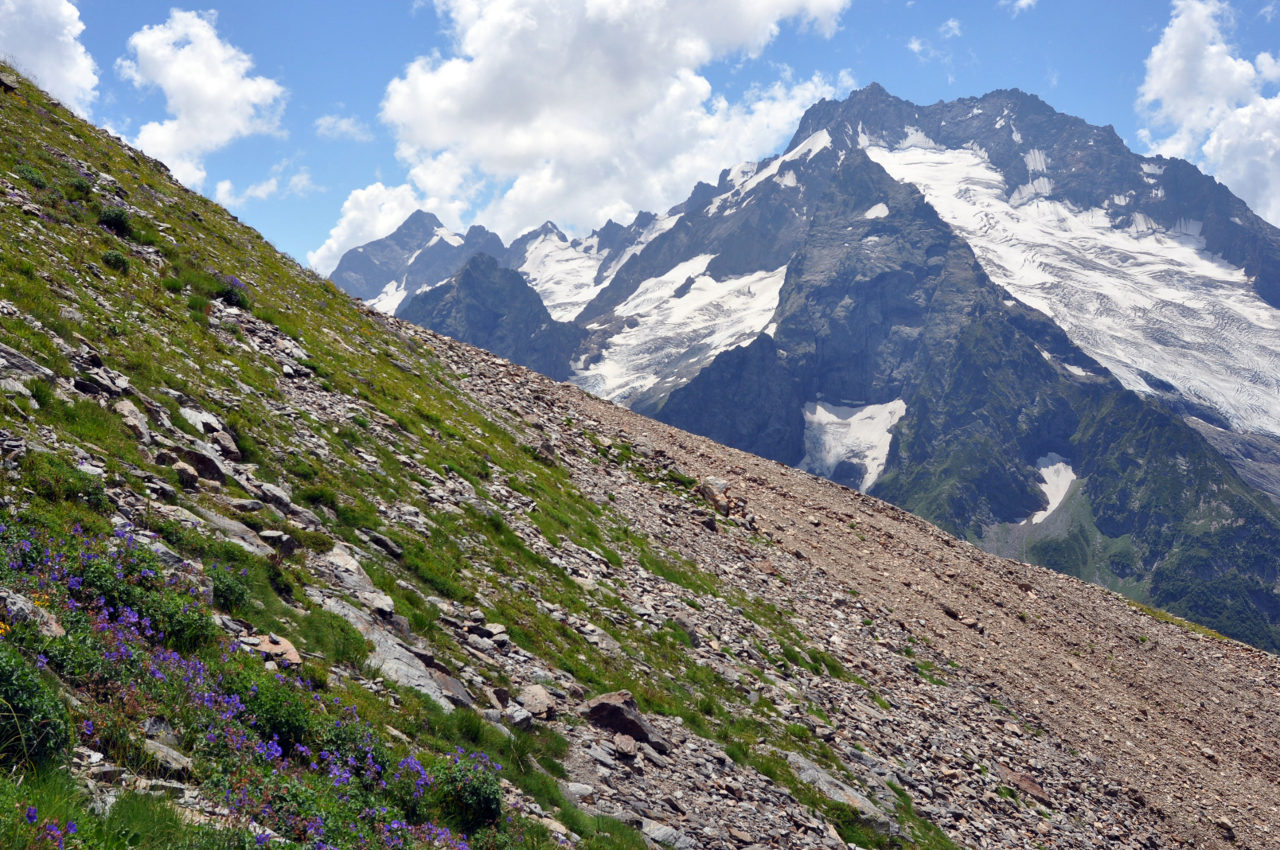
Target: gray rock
618,712
237,532
518,717
342,569
133,419
187,475
167,758
280,541
392,658
386,544
274,495
226,445
834,789
202,421
666,835
538,701
20,609
208,462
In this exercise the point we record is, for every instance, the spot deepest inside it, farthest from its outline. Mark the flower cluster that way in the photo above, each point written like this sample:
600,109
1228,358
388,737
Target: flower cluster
284,760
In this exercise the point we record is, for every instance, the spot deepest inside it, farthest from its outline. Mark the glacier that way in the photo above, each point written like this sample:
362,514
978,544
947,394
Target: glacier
1142,301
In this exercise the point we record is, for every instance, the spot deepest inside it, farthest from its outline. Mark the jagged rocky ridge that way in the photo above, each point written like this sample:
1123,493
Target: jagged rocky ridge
1033,348
805,660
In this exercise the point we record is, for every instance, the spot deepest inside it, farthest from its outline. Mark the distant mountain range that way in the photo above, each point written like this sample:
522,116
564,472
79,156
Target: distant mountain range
985,311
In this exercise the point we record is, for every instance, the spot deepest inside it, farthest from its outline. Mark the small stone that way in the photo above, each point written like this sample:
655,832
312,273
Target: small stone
133,419
538,702
187,475
167,758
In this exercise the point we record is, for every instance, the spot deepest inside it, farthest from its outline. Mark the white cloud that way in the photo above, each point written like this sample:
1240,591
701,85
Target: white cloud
1205,103
916,46
367,214
41,38
581,110
298,184
225,193
1019,5
301,184
950,28
207,90
343,127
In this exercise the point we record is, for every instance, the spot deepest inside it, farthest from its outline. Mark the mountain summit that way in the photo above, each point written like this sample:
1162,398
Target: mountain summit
987,312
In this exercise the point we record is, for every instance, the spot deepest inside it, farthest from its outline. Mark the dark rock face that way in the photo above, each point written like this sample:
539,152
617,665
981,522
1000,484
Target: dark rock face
494,308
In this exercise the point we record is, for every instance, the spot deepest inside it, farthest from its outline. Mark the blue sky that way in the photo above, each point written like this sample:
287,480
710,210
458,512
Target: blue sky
323,124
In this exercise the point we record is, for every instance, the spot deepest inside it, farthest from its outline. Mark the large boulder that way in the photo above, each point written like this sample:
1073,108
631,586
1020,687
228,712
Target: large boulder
618,712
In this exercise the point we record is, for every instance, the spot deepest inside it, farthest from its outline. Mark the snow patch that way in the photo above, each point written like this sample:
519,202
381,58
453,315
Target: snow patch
916,138
1037,188
1188,227
388,300
787,180
676,324
1036,160
1120,200
878,211
1138,300
1056,476
1152,168
449,237
804,151
834,434
563,275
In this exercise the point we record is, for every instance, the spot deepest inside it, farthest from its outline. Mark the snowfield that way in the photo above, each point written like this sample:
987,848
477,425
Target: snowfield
834,434
1140,300
675,324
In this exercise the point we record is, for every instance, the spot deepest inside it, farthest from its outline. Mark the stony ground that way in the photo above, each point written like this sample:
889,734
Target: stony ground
1110,727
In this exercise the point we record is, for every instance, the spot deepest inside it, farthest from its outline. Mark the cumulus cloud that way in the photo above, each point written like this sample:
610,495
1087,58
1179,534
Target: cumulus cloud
581,110
342,127
367,214
950,28
208,92
1207,104
41,38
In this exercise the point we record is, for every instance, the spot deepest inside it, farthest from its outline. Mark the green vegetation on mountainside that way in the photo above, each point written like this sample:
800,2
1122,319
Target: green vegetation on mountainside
1159,515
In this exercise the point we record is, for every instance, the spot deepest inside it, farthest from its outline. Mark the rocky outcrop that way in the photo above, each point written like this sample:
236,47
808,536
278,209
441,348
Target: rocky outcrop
496,309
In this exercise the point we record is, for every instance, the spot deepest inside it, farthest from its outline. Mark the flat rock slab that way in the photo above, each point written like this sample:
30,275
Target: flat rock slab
344,572
837,791
396,661
237,532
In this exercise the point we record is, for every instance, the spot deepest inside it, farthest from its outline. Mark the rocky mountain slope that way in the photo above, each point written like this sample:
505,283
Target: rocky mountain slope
1028,340
284,570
